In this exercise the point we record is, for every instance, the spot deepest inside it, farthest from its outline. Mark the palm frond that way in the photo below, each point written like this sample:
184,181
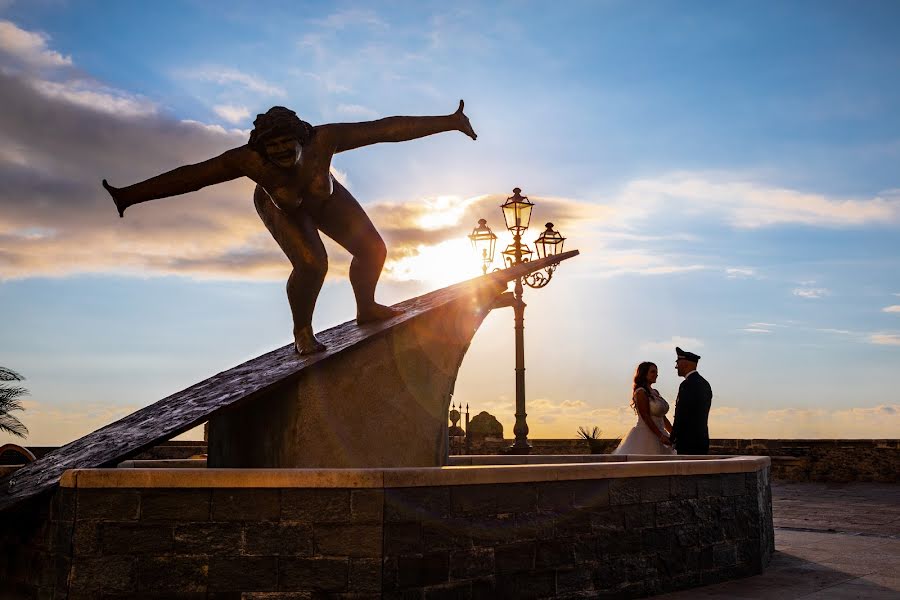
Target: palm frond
589,434
11,394
10,400
12,425
9,375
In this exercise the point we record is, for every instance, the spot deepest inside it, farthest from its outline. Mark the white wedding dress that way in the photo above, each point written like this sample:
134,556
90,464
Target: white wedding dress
640,440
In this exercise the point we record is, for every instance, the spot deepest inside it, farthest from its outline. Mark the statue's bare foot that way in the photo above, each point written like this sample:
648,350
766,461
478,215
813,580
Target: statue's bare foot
375,312
112,192
305,342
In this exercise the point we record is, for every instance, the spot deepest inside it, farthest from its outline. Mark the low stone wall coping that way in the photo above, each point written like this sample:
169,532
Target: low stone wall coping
543,459
403,477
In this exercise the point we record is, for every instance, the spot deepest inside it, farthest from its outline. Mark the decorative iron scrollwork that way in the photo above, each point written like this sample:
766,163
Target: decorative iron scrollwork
539,279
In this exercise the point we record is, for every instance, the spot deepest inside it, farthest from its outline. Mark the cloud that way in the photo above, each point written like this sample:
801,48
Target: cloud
55,218
357,110
845,422
792,414
231,113
894,308
29,47
614,263
328,80
227,76
96,97
546,412
54,424
218,129
59,138
885,339
728,420
353,17
755,330
687,343
739,272
724,411
19,47
748,205
811,293
805,422
58,221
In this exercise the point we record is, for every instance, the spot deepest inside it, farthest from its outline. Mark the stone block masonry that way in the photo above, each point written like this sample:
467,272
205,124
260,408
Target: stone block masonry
518,531
610,538
35,547
226,540
792,460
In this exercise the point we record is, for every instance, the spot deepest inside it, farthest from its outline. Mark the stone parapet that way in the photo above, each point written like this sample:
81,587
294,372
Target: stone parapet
792,459
605,526
487,469
822,460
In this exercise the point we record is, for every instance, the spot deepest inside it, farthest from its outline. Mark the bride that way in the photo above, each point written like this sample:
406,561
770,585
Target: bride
651,433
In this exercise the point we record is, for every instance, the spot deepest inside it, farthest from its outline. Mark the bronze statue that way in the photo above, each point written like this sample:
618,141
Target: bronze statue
296,197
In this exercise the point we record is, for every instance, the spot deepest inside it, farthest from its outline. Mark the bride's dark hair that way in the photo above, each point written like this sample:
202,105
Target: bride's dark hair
640,380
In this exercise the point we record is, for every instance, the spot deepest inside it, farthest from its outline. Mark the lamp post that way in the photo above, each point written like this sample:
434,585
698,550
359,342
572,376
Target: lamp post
517,215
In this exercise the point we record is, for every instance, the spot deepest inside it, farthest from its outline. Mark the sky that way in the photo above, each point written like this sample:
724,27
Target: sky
729,171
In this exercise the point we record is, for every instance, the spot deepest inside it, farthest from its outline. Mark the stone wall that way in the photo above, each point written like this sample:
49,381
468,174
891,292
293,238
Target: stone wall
35,541
185,543
615,538
822,460
792,460
550,537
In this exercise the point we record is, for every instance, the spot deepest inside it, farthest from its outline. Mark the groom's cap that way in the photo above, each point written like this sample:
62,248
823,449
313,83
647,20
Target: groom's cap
686,355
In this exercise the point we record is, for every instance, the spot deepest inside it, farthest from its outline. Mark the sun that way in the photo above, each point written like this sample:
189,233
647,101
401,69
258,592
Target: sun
440,265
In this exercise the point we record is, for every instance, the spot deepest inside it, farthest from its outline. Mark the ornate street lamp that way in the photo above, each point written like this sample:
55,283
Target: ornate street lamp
517,212
549,243
484,242
517,215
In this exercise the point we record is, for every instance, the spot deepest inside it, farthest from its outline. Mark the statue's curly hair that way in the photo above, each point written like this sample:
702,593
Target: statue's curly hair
276,121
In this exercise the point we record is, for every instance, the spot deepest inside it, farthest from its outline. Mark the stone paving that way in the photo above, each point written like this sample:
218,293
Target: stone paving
832,541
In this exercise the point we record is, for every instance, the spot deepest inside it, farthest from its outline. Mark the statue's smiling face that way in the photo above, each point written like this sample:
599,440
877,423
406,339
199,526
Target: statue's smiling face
283,150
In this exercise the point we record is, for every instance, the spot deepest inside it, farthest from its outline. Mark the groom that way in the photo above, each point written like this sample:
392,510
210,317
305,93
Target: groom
690,434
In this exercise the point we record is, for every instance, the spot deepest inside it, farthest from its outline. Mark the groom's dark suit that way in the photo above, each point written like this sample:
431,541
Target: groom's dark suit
690,434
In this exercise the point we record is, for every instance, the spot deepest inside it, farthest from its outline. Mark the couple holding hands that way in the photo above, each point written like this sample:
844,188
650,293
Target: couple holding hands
688,432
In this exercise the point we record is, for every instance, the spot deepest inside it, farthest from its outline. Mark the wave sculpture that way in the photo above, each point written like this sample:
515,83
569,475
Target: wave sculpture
377,397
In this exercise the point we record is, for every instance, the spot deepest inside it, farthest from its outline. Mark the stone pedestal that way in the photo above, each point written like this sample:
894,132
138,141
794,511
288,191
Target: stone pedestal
379,404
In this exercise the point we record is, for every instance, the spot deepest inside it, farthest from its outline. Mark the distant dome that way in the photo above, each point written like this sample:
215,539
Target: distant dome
485,425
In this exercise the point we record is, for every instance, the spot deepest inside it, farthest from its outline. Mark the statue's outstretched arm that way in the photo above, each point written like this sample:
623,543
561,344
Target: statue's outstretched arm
182,180
347,136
